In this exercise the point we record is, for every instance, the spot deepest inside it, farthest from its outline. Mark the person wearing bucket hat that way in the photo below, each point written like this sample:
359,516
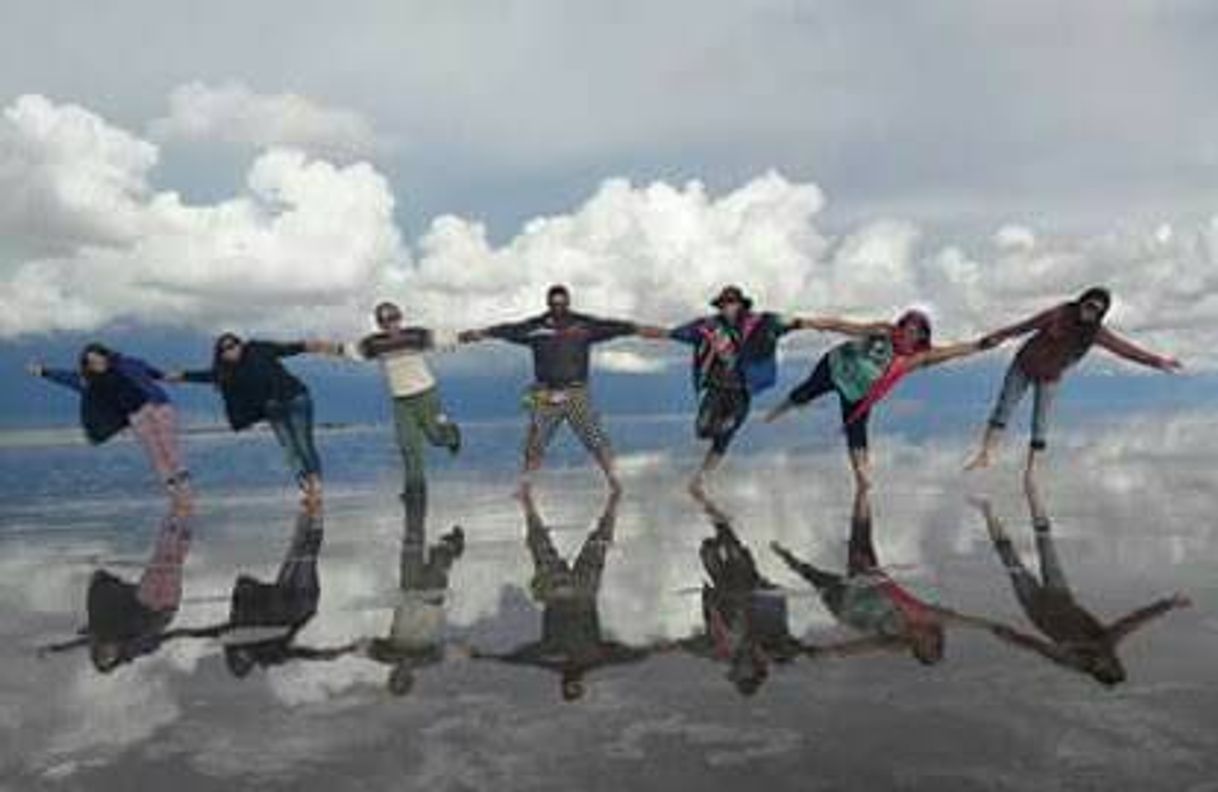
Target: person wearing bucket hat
561,341
865,369
733,360
1062,336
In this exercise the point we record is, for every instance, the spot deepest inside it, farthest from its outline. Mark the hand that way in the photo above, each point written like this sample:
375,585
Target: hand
988,342
35,369
175,376
1180,601
1170,365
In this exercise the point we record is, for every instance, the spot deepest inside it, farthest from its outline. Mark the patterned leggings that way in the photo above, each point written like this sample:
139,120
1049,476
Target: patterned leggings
156,427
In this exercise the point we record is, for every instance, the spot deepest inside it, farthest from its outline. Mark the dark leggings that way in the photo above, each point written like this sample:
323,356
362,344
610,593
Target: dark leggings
721,413
820,382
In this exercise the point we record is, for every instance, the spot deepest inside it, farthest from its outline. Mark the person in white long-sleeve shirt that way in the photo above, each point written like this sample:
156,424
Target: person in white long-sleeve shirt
418,414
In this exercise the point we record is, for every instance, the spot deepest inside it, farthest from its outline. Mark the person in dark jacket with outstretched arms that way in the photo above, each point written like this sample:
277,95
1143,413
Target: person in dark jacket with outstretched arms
120,391
561,341
256,386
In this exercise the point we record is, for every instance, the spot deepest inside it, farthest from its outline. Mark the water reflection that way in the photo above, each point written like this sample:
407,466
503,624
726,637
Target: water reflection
867,599
1073,637
572,643
744,614
126,620
415,638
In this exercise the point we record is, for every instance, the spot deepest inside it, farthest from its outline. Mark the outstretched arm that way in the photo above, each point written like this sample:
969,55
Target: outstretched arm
512,332
1019,328
653,332
1130,623
65,377
831,324
942,354
1123,347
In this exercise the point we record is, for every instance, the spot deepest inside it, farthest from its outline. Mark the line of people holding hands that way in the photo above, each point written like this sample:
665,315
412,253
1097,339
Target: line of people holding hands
733,361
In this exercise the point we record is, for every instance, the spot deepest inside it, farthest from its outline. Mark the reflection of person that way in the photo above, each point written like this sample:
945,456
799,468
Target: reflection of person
118,391
129,620
561,341
1062,336
264,618
745,615
416,636
733,361
418,415
863,370
1076,639
571,642
866,599
256,386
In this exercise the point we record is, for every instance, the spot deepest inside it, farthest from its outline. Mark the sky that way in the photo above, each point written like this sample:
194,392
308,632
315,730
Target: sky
277,169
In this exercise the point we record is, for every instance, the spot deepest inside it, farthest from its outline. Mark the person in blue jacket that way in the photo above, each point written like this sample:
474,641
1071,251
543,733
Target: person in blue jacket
733,360
119,391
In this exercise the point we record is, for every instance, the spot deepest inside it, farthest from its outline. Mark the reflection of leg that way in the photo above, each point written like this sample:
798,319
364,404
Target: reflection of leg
1051,572
861,550
160,587
590,562
298,572
410,438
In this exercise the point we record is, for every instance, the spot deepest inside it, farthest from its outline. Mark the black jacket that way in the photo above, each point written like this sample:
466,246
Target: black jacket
257,379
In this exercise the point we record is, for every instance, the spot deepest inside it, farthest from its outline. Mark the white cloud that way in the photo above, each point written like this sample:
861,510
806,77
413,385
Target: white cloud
308,245
232,113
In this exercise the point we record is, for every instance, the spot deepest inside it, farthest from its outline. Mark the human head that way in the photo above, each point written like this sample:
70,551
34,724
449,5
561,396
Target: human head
1104,666
731,302
572,685
1093,304
558,299
240,661
227,350
401,679
913,332
95,359
105,655
926,643
748,672
387,315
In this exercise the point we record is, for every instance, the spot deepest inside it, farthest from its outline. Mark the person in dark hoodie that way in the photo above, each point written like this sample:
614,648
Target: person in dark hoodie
256,386
265,618
119,391
130,620
561,341
1062,336
733,361
571,644
744,613
1072,636
889,617
865,369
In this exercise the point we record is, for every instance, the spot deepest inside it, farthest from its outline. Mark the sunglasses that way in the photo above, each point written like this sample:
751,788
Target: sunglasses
229,346
388,318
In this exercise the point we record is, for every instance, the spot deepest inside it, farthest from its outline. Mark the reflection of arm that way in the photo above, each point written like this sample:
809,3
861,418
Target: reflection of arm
615,653
1045,649
321,653
529,654
856,646
1134,621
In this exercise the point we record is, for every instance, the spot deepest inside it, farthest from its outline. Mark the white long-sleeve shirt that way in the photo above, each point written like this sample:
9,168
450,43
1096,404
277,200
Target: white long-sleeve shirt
406,370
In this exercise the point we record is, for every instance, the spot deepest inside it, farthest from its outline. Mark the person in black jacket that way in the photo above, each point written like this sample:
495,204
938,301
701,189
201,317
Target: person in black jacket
119,391
129,620
561,342
256,386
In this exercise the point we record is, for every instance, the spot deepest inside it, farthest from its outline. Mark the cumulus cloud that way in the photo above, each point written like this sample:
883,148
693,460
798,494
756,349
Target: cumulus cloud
308,244
232,113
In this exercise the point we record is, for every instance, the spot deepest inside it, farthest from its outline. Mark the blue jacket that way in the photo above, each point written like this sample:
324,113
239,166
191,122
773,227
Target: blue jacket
759,334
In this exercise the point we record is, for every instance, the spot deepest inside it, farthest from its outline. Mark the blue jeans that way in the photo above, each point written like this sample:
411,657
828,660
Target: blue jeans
1014,386
292,422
